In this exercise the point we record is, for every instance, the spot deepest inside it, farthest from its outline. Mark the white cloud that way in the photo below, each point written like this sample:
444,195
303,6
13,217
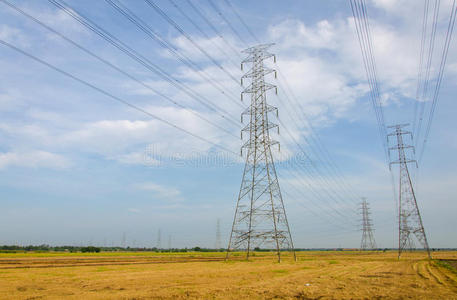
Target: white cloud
10,100
13,35
126,141
33,159
160,191
137,158
189,50
57,18
322,64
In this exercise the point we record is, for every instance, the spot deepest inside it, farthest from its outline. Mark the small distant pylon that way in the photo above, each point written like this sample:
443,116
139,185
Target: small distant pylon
218,234
368,242
260,218
409,218
124,239
159,239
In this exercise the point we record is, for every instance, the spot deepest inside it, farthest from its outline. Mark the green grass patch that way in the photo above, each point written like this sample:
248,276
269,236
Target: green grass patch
102,269
110,254
333,262
446,265
281,271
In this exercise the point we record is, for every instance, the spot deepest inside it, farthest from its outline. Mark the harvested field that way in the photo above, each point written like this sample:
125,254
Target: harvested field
316,275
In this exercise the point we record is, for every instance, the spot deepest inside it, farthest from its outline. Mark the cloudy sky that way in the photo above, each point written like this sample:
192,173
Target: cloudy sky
77,166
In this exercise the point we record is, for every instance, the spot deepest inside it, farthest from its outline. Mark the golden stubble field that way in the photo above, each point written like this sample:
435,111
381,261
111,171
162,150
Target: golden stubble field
316,275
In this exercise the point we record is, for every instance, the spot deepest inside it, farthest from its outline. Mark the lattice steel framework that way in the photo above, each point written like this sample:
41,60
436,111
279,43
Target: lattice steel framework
217,245
409,218
260,218
368,241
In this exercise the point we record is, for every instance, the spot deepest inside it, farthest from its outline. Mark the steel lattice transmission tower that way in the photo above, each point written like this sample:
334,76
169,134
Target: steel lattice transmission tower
217,245
159,239
260,218
409,218
368,241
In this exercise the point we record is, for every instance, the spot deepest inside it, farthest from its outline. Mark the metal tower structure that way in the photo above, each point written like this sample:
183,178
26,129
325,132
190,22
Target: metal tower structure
260,218
218,234
409,218
159,239
368,241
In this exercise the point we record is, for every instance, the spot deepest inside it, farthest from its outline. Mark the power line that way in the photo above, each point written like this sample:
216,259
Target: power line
318,142
426,82
218,33
338,182
421,62
241,20
320,152
141,59
447,42
202,32
190,39
320,177
363,34
115,98
221,15
333,195
149,31
116,67
316,169
325,216
335,213
319,191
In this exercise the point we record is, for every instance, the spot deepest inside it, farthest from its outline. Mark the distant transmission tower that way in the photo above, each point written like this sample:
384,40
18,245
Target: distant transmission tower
159,239
124,239
218,234
260,218
368,241
409,218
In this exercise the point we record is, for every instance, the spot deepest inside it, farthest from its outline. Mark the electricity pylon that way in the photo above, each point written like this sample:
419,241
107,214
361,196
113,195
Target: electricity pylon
159,239
260,218
409,218
218,234
368,241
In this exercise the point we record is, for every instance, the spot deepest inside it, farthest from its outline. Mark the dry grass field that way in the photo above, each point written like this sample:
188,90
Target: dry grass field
316,275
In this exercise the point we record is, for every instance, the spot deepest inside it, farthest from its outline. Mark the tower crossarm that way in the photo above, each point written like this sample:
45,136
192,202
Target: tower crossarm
398,147
254,88
268,142
406,161
398,126
268,108
268,126
255,73
261,56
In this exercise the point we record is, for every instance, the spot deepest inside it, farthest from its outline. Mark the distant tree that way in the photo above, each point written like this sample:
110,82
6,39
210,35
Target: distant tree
90,249
197,249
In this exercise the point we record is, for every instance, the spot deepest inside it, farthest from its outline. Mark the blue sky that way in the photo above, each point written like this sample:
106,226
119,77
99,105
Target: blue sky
77,167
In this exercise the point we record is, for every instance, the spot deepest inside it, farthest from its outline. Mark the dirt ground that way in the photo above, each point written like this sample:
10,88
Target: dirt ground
316,275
